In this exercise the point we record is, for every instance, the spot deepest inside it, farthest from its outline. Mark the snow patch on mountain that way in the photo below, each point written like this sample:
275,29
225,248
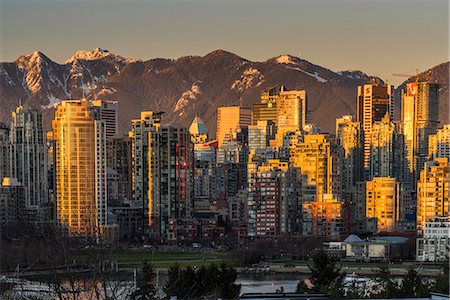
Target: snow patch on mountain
187,96
106,91
250,78
285,59
315,75
53,102
5,76
95,54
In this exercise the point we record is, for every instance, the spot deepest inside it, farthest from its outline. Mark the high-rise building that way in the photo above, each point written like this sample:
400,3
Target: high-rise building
348,134
374,101
420,117
384,202
4,151
118,158
74,132
291,110
276,203
170,161
439,143
386,150
318,159
13,201
139,135
101,187
107,111
433,191
260,134
29,154
230,119
324,218
266,110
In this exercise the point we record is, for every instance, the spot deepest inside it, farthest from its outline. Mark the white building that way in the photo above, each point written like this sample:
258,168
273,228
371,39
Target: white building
435,243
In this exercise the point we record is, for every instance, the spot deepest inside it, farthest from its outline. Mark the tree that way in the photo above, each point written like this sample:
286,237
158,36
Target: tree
302,288
441,284
325,276
210,282
412,285
146,285
387,287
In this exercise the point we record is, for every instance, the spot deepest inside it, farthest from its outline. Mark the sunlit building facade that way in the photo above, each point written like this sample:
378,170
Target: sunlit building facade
383,202
433,191
374,101
75,137
325,218
230,119
439,143
319,161
420,117
348,134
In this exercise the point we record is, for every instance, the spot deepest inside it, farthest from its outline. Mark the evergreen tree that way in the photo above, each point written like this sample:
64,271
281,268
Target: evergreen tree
412,285
387,287
325,276
302,288
172,286
146,284
442,282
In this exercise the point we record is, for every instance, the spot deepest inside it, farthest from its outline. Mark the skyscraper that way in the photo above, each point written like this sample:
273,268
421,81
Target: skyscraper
266,110
348,134
4,151
439,143
420,117
76,197
229,120
107,111
291,109
383,202
29,154
170,161
433,191
139,135
275,205
318,161
374,101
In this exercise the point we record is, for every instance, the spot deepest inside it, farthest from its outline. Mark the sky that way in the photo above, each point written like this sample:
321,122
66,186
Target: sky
377,37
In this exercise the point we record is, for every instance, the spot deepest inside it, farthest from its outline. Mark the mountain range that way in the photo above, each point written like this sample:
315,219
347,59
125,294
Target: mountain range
186,87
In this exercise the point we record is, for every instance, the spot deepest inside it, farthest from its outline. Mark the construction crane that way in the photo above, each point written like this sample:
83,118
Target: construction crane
411,75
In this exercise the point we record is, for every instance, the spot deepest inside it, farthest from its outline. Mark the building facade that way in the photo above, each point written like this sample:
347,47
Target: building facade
28,154
231,119
374,101
420,117
76,197
433,191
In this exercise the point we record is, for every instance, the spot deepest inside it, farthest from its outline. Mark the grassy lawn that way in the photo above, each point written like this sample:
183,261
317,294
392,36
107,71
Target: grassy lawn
135,258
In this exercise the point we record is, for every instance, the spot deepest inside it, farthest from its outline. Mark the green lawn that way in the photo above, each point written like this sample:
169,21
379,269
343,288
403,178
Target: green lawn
160,259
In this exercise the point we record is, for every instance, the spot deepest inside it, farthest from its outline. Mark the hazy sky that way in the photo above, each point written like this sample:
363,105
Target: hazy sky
377,37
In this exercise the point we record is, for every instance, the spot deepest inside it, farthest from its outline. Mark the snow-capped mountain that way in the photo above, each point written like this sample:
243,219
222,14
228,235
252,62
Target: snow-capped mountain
183,88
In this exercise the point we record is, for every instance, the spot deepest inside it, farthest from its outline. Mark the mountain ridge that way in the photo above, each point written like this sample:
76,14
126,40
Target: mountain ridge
184,87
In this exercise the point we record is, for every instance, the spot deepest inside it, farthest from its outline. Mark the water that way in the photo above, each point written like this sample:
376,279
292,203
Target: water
268,283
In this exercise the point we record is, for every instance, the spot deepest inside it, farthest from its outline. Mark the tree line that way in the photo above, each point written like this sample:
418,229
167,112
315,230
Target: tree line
327,278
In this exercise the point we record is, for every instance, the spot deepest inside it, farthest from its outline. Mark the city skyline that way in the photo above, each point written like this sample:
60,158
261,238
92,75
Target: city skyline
174,29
